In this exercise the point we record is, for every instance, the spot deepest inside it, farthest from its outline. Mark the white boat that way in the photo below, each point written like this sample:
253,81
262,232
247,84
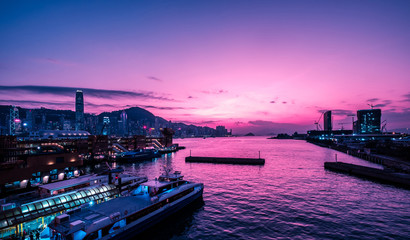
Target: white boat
125,217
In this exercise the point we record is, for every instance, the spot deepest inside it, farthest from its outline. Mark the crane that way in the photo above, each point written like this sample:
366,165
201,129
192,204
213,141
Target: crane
384,129
317,122
342,125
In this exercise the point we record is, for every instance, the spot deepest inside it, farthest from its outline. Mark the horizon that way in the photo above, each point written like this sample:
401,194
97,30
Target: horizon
265,65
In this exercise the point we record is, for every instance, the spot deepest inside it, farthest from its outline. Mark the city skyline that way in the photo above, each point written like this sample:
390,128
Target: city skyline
245,65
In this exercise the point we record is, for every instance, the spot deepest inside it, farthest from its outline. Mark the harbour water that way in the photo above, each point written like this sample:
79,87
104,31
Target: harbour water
290,197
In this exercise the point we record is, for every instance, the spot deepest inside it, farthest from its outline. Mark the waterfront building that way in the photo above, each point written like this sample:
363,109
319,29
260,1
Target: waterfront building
221,131
79,110
63,134
368,121
327,121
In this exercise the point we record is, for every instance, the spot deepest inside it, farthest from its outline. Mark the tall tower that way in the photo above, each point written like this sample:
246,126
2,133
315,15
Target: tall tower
106,126
327,121
79,110
14,118
124,124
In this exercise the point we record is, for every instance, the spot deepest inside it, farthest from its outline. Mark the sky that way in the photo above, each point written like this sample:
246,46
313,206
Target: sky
265,66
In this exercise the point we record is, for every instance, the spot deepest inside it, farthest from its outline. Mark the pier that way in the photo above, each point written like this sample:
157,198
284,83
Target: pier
386,176
226,160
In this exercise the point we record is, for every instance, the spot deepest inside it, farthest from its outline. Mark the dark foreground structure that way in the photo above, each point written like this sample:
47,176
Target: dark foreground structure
226,160
401,179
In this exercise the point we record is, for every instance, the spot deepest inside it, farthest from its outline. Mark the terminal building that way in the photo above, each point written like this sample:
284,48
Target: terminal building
368,121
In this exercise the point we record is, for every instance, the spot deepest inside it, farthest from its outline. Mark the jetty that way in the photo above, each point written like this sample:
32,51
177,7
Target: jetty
383,175
226,160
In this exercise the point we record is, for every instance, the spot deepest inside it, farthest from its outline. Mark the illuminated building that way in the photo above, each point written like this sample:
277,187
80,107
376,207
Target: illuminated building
368,121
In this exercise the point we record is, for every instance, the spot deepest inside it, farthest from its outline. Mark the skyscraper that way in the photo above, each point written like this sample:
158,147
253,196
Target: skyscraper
14,119
368,121
123,124
106,126
327,121
79,110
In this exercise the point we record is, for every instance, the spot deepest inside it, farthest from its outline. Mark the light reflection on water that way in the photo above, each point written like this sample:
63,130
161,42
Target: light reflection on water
291,196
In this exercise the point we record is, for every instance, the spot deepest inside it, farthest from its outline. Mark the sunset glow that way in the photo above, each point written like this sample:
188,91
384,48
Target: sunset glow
243,64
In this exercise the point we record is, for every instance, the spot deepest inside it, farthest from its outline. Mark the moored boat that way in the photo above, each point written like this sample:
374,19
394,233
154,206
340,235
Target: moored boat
125,217
138,155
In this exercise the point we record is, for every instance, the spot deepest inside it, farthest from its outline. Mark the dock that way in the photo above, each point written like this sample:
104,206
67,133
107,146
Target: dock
226,160
387,176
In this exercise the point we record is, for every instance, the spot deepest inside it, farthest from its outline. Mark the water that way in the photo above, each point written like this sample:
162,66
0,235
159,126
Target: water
290,197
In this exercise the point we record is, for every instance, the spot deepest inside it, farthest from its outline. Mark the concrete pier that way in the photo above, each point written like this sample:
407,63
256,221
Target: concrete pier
386,176
226,160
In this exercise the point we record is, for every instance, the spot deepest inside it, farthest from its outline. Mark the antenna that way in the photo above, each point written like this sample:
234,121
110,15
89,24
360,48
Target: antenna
371,105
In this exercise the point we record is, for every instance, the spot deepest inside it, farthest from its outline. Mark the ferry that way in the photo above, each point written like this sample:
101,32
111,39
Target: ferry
125,217
34,210
138,155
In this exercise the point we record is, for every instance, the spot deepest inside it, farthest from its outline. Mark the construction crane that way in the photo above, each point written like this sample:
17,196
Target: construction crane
384,129
318,127
342,125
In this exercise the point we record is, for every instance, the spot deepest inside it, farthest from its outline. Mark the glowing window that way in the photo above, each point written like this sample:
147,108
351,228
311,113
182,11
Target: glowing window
45,204
24,209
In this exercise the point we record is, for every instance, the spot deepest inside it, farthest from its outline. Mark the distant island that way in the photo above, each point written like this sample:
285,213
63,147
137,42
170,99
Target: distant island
249,135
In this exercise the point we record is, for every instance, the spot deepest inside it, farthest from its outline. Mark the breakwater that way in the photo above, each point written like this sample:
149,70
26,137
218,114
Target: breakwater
372,173
390,162
226,160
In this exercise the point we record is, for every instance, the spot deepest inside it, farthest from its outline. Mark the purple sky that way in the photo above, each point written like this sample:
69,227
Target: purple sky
271,65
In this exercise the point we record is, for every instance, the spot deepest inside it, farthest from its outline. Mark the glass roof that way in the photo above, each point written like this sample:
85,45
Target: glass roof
53,204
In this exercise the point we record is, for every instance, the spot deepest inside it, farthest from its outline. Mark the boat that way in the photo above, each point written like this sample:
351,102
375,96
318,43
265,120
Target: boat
125,217
36,209
138,155
168,149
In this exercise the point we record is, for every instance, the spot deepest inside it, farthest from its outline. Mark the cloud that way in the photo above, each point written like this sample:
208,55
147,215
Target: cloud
190,97
36,103
272,101
406,97
54,61
383,104
162,108
372,100
338,112
221,91
261,123
380,105
198,123
92,92
263,127
284,102
342,112
154,78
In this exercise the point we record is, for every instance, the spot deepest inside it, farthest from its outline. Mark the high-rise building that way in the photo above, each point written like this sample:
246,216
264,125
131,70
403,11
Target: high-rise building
106,126
221,131
14,120
79,110
327,121
368,121
123,124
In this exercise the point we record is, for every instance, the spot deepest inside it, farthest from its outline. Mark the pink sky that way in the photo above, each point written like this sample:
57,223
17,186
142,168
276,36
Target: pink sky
241,64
